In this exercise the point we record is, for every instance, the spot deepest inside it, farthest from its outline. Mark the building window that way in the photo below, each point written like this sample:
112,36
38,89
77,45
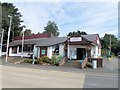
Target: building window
14,49
56,50
28,48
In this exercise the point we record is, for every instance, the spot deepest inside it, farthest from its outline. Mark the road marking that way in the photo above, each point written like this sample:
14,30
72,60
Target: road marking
91,84
107,75
29,76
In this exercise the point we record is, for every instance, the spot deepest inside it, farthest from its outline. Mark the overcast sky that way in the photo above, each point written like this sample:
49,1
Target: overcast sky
91,17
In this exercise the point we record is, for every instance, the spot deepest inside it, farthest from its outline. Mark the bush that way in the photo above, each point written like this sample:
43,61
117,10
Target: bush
42,59
104,52
59,58
55,59
28,61
38,61
45,59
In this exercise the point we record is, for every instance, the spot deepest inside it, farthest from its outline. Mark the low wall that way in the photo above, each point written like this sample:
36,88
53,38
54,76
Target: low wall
63,61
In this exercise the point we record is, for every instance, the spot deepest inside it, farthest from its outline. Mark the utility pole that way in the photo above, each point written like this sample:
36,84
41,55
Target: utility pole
22,44
110,43
2,40
8,37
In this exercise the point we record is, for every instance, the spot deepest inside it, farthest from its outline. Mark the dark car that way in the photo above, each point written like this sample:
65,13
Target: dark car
118,54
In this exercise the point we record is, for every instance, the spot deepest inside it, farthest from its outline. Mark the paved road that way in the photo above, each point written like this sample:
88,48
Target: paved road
101,81
106,77
15,77
37,76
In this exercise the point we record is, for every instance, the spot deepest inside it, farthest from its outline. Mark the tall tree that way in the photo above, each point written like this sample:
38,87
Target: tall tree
78,32
51,27
10,9
27,32
115,44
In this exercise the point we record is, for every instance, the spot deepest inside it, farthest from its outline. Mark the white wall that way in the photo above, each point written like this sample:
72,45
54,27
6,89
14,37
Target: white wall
52,48
25,54
49,51
38,52
95,51
61,50
72,53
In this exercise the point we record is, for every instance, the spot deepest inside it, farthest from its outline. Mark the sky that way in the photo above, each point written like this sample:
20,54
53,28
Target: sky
91,17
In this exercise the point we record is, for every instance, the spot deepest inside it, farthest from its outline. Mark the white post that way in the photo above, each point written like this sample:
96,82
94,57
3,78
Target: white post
17,49
2,40
110,43
8,36
22,44
34,51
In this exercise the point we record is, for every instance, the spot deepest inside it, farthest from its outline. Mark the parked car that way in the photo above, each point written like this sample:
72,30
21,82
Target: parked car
118,54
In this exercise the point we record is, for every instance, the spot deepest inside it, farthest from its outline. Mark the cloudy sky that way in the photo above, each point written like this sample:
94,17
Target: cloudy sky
91,17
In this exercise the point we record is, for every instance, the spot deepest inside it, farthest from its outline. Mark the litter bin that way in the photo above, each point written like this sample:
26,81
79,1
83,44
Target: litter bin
94,64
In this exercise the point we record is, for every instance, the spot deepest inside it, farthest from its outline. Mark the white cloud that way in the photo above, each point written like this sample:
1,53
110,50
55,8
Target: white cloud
96,17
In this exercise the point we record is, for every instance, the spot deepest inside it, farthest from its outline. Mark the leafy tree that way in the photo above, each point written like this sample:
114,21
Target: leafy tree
27,32
51,27
115,44
10,9
78,32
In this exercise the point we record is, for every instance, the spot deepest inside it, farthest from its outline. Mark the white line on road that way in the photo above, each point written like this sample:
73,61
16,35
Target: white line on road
100,75
91,84
28,76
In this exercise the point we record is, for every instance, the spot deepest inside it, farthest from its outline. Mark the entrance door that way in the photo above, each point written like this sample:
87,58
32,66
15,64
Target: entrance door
80,53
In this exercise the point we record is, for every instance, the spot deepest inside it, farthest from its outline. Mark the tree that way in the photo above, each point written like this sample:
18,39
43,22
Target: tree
51,27
27,32
115,44
78,32
16,28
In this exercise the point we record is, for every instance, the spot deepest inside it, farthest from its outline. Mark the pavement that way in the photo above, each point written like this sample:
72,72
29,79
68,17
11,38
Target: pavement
106,77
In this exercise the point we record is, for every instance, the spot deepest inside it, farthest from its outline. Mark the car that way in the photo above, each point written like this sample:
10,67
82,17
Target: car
118,54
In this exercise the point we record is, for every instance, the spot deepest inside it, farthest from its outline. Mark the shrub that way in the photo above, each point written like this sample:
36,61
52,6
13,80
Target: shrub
55,59
42,59
104,52
59,58
45,59
28,61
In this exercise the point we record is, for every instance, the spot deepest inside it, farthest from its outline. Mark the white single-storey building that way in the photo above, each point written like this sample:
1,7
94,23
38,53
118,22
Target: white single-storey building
74,47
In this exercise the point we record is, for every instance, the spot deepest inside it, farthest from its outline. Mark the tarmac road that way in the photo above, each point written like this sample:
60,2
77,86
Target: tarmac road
16,77
37,76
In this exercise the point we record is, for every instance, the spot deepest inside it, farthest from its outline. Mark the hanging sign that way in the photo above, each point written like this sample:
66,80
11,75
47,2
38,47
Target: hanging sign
75,39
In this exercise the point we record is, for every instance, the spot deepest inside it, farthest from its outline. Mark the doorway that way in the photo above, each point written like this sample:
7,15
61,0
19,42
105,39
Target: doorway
80,53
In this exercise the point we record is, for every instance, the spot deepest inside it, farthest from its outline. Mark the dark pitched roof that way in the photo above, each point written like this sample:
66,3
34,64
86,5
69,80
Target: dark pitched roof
28,41
34,36
51,41
40,41
90,37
